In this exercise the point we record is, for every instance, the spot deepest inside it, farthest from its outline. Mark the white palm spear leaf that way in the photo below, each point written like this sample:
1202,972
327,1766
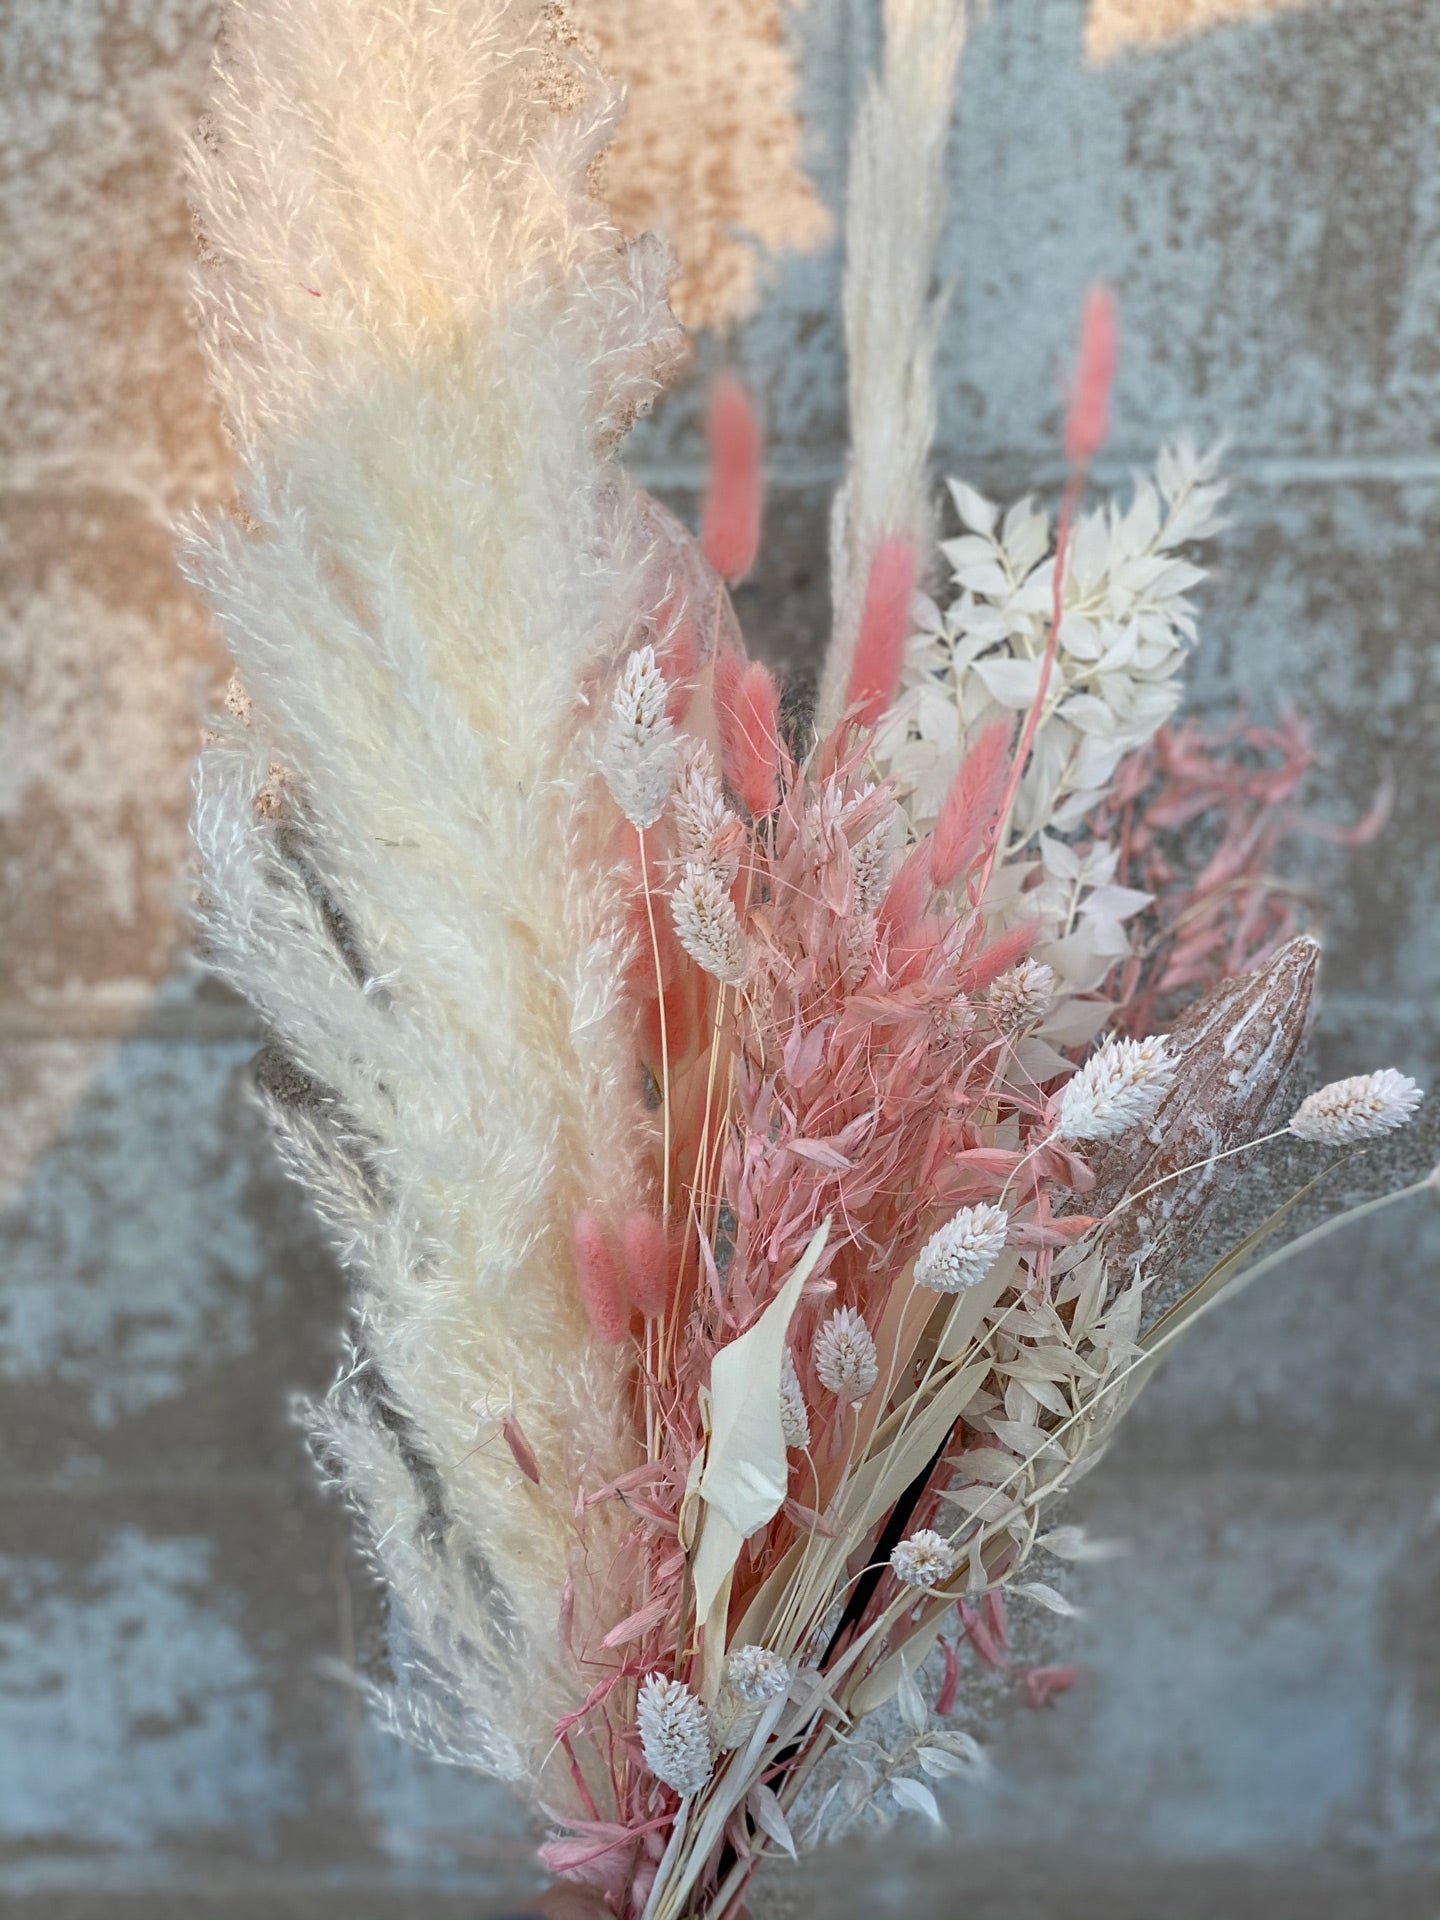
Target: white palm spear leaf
428,339
894,217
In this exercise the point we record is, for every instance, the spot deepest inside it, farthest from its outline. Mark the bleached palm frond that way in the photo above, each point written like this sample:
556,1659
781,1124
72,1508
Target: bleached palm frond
428,338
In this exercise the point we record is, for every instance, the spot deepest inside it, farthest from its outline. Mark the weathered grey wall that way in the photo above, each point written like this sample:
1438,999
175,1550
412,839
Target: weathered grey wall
1259,1728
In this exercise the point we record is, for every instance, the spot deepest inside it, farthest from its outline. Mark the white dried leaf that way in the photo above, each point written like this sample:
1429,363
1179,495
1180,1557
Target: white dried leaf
915,1797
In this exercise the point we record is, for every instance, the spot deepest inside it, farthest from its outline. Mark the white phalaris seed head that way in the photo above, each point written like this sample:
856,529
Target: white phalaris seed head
1357,1109
923,1559
845,1357
707,924
794,1418
674,1733
698,807
638,756
1116,1089
1017,999
756,1675
962,1252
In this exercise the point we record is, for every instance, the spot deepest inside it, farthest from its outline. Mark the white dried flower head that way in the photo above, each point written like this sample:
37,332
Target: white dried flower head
923,1559
1360,1108
845,1356
794,1419
958,1018
698,805
962,1252
1117,1088
756,1674
870,870
1019,998
638,757
707,924
674,1733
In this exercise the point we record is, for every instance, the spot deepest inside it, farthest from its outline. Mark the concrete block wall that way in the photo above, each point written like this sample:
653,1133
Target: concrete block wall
1258,1725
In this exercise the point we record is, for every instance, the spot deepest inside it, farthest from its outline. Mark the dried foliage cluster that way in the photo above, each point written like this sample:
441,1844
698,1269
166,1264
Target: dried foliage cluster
767,1166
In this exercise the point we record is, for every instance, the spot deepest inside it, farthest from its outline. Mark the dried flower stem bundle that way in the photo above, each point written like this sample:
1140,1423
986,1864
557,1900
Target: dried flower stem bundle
749,1240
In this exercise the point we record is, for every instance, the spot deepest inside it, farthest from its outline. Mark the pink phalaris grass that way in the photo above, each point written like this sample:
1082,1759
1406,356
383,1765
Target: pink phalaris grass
1201,818
730,523
647,1263
884,624
1088,415
598,1281
970,805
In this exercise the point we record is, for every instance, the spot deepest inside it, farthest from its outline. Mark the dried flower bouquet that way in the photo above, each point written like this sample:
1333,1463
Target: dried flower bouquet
767,1165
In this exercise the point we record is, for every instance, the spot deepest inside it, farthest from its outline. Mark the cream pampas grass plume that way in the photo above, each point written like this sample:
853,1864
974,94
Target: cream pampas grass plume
428,338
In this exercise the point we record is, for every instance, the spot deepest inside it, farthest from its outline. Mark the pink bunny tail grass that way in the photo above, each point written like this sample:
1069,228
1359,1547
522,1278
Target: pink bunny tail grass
730,522
884,624
970,806
1088,419
599,1286
757,756
747,711
908,894
647,1264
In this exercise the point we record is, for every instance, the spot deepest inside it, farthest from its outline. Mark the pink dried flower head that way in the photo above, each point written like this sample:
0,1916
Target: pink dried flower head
870,871
1117,1088
845,1357
638,757
730,522
923,1559
756,1675
674,1733
707,924
756,757
1360,1108
794,1417
884,623
964,1250
1021,996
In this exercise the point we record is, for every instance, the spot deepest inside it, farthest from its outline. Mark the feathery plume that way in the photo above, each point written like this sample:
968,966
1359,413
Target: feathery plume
963,1251
845,1356
1117,1088
1361,1108
895,212
674,1734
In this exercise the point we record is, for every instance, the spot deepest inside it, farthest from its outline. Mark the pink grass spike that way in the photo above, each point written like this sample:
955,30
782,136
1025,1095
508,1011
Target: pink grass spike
969,807
1088,418
747,709
599,1286
884,624
647,1264
730,521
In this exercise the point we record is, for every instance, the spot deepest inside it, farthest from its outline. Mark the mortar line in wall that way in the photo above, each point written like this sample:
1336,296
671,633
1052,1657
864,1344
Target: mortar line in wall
1278,469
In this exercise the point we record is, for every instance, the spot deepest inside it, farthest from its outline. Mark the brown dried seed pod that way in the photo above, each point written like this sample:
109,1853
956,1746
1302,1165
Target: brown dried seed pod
1236,1047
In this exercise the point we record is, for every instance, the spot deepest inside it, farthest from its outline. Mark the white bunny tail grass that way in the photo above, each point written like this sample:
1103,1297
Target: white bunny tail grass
429,338
895,211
